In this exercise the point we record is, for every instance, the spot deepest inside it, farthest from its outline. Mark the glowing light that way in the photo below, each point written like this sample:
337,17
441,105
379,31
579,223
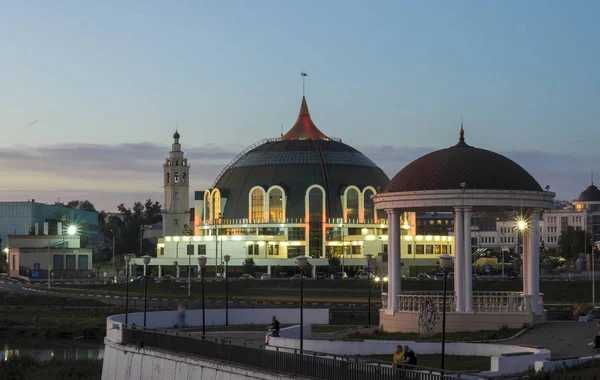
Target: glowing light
237,237
428,237
376,279
168,238
419,237
408,238
385,279
71,230
196,238
444,238
176,238
406,226
437,238
364,231
284,243
261,243
521,224
370,237
295,243
450,238
333,243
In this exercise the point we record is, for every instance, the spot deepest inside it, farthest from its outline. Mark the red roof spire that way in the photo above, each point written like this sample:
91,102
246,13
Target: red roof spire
304,128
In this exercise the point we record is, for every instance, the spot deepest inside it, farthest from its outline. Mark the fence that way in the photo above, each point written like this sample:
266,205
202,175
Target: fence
309,365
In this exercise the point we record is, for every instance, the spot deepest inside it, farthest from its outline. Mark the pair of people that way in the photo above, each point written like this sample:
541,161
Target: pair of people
404,356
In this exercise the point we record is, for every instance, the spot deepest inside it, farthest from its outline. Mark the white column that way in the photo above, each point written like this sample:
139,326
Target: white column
468,262
393,259
525,255
534,262
458,259
145,266
160,271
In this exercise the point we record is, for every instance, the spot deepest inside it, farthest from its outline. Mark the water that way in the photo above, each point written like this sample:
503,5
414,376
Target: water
44,353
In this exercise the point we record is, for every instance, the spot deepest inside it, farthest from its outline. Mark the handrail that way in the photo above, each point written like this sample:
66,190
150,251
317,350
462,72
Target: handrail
242,153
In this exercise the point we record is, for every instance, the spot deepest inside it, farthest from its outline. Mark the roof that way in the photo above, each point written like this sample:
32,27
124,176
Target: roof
304,128
474,168
591,194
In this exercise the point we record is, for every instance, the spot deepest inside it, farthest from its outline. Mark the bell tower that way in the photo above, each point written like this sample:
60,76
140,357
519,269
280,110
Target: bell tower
176,214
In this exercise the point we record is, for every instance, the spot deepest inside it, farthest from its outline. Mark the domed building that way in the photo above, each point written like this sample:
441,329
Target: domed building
589,203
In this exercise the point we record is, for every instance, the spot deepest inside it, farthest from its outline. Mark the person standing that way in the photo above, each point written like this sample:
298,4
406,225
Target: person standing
180,316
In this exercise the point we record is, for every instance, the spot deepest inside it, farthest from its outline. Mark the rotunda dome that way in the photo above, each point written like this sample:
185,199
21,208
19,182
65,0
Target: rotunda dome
591,194
462,165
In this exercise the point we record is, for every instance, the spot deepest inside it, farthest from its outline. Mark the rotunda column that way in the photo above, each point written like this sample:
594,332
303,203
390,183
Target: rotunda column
393,258
458,259
534,262
468,262
525,256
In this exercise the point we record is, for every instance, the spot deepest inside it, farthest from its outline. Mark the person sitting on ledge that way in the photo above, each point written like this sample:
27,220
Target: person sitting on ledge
410,358
398,357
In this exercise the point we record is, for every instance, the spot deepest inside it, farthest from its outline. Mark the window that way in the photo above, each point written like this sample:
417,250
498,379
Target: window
253,249
275,206
273,249
176,222
444,249
352,204
429,249
296,233
294,251
409,249
369,206
168,177
217,205
202,249
176,177
420,249
176,195
36,266
82,262
183,178
258,206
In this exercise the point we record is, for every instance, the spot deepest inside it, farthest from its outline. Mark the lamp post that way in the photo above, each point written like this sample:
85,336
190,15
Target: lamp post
597,244
202,263
71,231
127,260
226,258
146,262
301,261
445,263
369,256
189,253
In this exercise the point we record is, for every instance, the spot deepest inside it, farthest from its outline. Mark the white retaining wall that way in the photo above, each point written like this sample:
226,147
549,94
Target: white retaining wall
129,363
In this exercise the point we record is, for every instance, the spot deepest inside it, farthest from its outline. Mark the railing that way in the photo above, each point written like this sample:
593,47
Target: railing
483,302
310,364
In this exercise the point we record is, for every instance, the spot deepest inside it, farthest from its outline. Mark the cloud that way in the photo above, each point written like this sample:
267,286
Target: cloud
109,175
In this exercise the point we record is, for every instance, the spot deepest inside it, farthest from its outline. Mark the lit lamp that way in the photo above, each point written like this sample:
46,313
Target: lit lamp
226,258
127,259
369,256
146,262
445,263
202,263
301,261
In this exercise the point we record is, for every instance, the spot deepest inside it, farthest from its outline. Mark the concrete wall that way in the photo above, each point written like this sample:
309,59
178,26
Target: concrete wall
407,321
499,364
129,363
549,366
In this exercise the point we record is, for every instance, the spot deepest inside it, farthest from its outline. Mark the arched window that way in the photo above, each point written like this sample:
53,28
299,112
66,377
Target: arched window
369,206
352,204
257,206
168,177
217,205
275,206
207,209
176,177
316,198
183,178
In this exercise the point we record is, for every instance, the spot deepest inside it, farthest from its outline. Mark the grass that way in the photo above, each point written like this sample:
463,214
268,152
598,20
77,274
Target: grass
467,336
560,292
451,362
585,371
26,368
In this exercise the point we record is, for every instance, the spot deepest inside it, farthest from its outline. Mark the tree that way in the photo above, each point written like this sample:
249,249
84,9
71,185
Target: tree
248,265
131,222
573,241
81,205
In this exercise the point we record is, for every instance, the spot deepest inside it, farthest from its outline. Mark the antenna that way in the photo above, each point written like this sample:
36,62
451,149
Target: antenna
592,178
304,75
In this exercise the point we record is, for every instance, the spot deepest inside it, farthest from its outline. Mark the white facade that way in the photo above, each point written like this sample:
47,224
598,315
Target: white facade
176,170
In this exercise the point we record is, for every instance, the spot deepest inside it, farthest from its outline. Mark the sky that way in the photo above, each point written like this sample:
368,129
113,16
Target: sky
91,92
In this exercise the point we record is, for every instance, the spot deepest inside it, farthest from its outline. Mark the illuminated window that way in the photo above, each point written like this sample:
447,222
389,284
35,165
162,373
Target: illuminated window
258,206
369,206
217,205
275,206
352,204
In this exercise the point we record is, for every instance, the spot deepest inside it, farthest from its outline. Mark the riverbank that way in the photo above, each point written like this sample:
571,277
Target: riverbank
26,368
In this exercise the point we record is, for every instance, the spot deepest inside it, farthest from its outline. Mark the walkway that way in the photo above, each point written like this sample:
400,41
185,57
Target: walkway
563,339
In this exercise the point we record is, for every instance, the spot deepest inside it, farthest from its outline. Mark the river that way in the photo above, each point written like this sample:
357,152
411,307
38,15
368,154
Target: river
55,349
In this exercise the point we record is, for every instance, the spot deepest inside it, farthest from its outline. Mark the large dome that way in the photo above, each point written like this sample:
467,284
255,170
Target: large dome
303,157
476,168
591,194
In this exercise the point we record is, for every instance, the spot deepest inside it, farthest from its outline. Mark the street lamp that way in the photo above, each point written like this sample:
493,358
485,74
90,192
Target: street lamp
597,244
71,230
369,256
301,261
226,258
127,260
146,262
445,263
189,253
202,263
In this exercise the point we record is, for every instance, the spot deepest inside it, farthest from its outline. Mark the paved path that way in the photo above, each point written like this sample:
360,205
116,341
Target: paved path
563,339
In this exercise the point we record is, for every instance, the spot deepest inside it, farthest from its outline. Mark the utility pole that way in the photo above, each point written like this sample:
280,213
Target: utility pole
113,256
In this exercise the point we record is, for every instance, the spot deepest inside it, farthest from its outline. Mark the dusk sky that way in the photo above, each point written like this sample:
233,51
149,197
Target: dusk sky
91,92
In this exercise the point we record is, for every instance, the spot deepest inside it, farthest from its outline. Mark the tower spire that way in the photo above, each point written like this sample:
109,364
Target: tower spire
304,75
462,131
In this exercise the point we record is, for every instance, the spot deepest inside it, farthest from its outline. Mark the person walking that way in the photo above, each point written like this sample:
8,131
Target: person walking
180,316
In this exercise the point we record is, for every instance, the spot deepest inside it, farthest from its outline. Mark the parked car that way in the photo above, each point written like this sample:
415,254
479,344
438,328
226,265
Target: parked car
297,277
219,276
423,276
474,277
246,276
167,278
140,279
265,276
357,274
365,276
339,276
320,276
438,276
512,275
